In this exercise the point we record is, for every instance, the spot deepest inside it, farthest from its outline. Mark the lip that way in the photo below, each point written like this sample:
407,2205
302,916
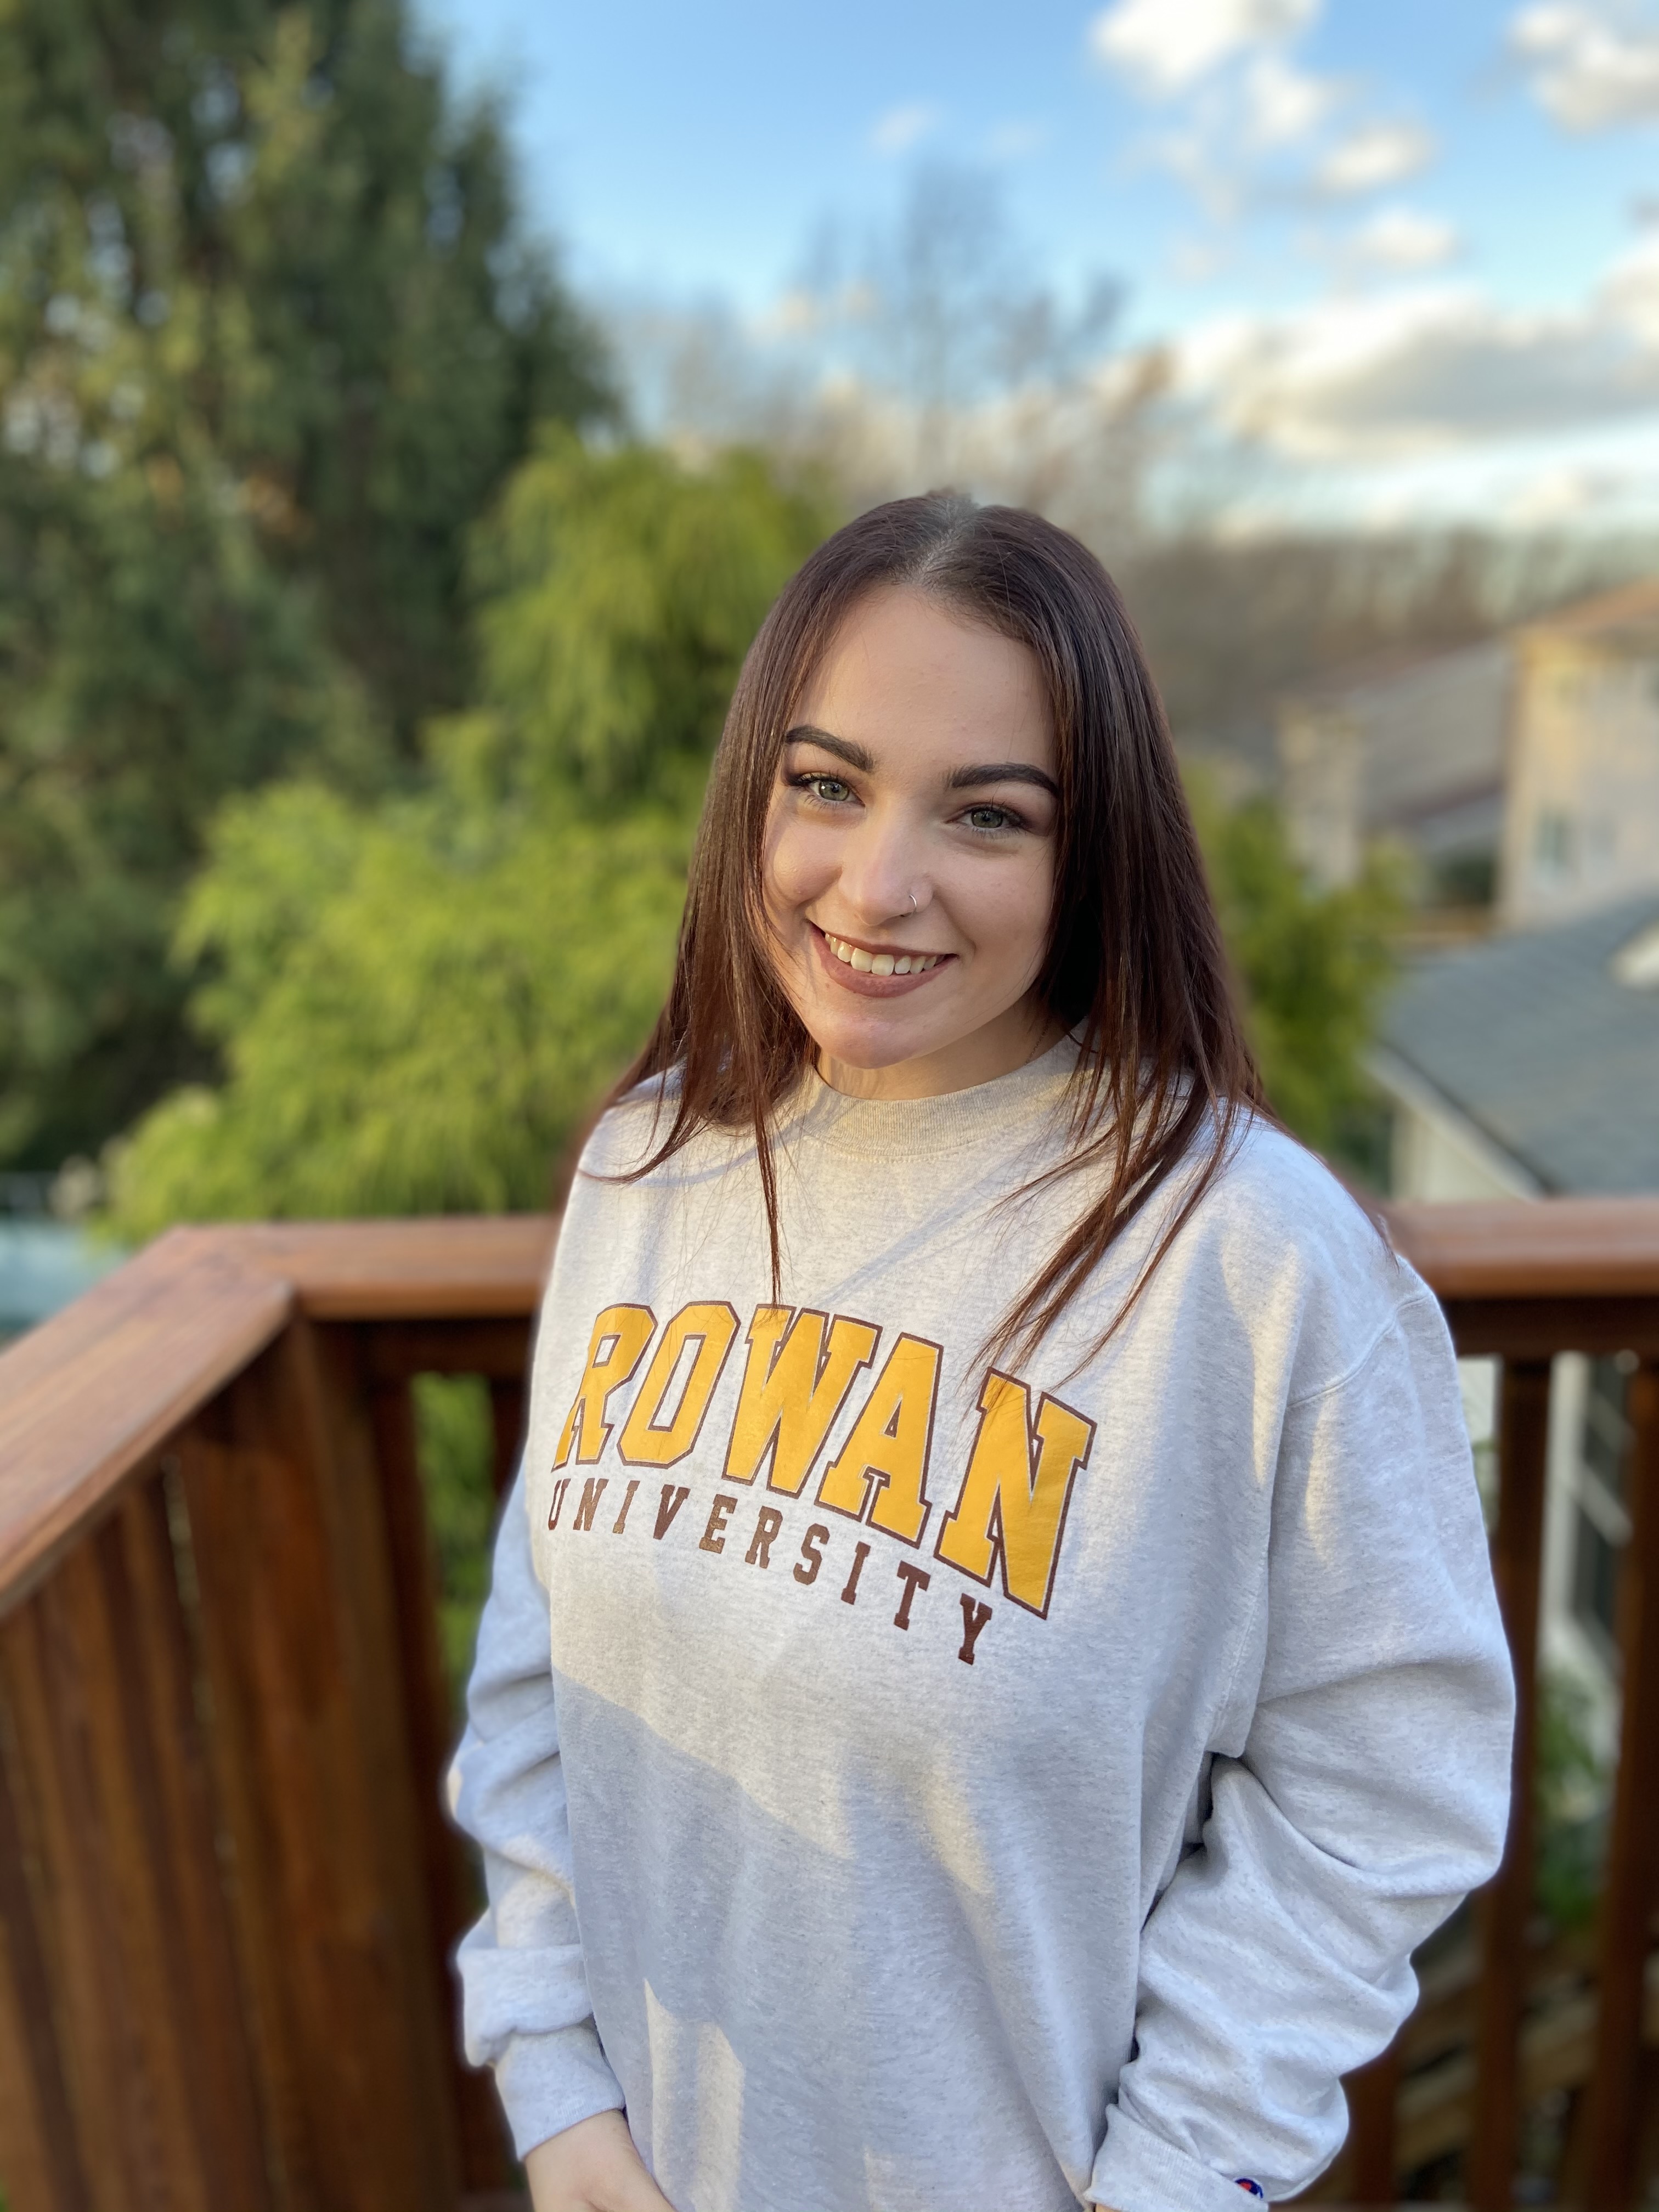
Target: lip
872,987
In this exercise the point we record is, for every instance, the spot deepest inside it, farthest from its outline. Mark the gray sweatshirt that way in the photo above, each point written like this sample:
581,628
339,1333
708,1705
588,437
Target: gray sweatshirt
902,1784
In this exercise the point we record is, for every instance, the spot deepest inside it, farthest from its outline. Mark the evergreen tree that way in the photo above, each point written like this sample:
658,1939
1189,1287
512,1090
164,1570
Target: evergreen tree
1312,966
270,339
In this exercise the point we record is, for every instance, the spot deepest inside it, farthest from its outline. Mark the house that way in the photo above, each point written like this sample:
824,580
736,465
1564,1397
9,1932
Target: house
1525,1065
1524,770
1411,750
1581,817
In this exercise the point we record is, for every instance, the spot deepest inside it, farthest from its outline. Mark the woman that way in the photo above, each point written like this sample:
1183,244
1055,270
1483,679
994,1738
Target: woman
991,1667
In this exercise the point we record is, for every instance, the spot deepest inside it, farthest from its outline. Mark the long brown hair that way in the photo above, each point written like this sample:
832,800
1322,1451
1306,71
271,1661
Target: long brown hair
1135,966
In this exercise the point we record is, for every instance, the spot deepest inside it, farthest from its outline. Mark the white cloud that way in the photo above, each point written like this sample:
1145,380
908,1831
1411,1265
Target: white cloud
1404,238
1631,291
1377,154
1580,481
1165,47
1227,137
1589,70
1562,492
901,128
1283,103
1220,187
1434,370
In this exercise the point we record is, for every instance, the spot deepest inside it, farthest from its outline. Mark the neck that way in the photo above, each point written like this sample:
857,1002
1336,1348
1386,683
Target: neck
1022,1034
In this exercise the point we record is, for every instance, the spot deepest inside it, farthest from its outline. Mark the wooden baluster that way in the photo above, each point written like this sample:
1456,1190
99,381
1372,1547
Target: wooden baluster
1632,1875
1372,2093
1506,1906
485,2164
104,2062
138,1950
507,1416
200,1990
229,1491
43,2167
141,1962
299,1628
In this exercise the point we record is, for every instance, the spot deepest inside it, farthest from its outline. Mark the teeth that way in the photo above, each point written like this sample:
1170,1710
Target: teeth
880,964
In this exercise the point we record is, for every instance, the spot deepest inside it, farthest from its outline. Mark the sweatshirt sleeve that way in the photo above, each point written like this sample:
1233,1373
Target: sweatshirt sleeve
526,2009
1371,1792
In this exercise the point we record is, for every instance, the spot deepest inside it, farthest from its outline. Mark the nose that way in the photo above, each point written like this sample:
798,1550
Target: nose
881,868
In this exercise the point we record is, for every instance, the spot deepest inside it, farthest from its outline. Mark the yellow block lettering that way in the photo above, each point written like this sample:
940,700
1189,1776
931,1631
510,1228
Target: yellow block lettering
793,1386
649,1440
1015,1493
620,1336
888,1449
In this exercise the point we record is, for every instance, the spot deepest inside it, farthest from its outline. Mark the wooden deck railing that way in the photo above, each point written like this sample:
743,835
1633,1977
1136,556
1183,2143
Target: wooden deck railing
228,1895
227,1892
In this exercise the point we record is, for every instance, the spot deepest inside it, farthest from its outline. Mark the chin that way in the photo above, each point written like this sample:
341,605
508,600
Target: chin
860,1048
870,1057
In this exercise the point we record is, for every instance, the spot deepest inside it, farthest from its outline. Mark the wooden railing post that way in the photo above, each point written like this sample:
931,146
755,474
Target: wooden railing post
1628,1896
1506,1906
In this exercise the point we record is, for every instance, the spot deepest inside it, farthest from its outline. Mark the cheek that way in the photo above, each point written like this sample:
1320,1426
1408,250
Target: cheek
799,862
1005,912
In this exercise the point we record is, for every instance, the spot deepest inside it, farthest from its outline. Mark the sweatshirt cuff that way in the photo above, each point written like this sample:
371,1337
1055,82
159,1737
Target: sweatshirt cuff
546,2083
1138,2171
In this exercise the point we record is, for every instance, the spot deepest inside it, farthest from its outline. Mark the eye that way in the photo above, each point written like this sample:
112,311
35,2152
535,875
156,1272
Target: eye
990,819
827,790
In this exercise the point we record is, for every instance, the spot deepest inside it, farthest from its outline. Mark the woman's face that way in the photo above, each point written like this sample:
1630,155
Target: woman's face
909,858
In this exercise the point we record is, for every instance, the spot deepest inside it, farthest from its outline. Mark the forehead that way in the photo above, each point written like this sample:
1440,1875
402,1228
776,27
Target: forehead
904,669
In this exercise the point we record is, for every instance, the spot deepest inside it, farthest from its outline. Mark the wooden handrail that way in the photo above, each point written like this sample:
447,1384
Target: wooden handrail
1536,1251
89,1396
85,1398
457,1266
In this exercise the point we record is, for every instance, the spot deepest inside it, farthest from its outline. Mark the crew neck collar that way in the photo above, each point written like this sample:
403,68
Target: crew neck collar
910,1128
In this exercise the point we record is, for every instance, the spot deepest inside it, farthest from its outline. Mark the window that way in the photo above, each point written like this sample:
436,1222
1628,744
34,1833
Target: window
1552,843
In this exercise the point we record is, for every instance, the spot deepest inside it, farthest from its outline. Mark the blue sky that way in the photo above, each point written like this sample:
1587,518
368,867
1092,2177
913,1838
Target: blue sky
1384,236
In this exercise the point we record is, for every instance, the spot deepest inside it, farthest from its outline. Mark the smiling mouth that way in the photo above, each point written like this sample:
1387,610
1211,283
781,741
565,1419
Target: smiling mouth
863,960
876,971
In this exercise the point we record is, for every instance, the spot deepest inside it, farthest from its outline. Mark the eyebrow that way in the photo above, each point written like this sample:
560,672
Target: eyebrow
961,778
966,779
804,733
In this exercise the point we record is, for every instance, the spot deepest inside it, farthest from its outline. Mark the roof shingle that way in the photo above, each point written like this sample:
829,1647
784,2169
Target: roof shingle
1535,1040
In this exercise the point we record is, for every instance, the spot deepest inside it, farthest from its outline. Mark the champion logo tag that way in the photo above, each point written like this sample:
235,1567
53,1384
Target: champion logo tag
1251,2188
